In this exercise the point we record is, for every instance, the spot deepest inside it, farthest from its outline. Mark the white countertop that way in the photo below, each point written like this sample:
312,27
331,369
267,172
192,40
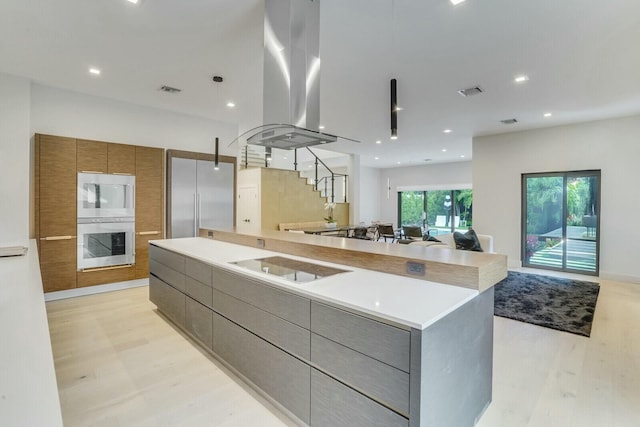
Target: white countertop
28,389
409,302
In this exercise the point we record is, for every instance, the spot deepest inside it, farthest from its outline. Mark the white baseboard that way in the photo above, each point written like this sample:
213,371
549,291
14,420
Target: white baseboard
619,277
98,289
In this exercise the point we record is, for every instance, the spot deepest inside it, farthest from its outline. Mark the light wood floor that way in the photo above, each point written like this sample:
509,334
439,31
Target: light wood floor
119,363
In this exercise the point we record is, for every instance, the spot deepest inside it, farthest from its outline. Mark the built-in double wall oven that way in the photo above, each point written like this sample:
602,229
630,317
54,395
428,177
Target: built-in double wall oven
106,220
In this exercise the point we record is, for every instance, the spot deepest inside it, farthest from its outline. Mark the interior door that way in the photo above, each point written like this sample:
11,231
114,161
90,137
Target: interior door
183,197
248,210
215,195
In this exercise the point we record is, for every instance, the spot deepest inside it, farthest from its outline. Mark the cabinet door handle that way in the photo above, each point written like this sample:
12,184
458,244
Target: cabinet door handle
57,238
122,173
91,172
147,233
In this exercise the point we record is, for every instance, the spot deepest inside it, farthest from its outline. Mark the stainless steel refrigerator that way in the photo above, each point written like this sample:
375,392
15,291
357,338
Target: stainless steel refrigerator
201,197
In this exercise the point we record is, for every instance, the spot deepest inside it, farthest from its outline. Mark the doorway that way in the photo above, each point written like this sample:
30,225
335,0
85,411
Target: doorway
560,221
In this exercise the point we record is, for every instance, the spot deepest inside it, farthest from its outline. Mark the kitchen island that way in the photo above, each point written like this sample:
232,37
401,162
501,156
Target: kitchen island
357,347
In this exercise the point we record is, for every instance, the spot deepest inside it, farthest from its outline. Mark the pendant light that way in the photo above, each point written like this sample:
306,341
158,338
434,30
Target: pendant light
394,110
216,157
394,93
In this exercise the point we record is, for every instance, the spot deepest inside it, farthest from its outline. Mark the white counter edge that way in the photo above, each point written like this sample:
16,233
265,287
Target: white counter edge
28,389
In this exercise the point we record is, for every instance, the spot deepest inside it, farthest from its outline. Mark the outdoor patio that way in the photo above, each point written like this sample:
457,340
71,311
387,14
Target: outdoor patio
581,251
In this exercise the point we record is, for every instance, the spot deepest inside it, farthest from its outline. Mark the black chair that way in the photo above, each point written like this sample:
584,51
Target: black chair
413,232
360,233
386,232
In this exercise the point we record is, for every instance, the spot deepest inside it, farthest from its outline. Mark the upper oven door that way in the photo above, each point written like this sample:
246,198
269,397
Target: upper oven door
103,244
106,195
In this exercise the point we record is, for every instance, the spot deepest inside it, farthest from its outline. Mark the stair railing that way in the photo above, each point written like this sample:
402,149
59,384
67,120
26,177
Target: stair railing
325,179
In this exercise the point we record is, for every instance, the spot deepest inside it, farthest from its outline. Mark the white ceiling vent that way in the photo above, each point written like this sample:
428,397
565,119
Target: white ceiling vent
170,89
470,91
508,121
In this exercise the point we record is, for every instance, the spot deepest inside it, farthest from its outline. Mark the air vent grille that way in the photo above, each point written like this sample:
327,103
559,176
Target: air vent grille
170,89
508,121
476,90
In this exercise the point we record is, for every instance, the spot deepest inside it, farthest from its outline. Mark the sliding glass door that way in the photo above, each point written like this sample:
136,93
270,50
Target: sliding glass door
441,211
560,221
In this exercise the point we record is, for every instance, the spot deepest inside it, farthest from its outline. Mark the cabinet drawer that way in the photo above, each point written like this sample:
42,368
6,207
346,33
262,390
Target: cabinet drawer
335,404
283,377
168,258
199,322
374,339
198,270
167,274
198,291
375,379
169,300
279,332
283,304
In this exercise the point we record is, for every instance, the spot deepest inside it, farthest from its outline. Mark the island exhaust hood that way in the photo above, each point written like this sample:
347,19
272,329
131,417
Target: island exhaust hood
291,77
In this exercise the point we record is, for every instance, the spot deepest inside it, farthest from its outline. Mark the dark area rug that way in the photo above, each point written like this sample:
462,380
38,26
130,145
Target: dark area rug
553,302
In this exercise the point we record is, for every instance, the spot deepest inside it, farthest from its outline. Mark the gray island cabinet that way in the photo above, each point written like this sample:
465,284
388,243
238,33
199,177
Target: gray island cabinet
323,362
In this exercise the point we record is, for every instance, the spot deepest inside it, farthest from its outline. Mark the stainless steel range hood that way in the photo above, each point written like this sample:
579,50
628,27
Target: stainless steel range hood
291,79
288,137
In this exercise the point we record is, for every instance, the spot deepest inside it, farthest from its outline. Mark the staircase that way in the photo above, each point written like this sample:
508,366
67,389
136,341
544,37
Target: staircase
287,197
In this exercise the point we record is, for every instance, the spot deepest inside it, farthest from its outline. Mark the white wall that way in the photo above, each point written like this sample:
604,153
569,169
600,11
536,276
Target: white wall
14,160
369,198
439,176
610,145
65,113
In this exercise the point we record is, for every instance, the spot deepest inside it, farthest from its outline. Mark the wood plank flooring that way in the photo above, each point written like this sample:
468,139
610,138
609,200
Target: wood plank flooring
120,363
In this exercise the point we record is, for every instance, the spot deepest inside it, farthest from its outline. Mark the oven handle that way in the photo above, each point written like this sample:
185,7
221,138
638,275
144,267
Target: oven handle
147,233
114,267
57,238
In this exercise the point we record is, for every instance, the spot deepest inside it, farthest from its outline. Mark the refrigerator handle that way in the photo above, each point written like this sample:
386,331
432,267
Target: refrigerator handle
195,214
199,219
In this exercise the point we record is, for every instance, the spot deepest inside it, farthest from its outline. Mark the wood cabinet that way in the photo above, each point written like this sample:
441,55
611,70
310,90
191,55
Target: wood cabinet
149,173
121,158
57,163
91,156
55,205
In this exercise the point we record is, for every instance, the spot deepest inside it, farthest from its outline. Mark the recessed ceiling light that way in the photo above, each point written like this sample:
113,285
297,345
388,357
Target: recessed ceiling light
94,71
284,157
399,162
521,79
376,158
444,150
378,142
548,114
310,165
455,2
447,131
133,1
231,104
462,156
320,127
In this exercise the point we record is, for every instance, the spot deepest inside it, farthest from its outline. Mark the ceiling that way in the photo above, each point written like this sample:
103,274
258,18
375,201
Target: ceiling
581,58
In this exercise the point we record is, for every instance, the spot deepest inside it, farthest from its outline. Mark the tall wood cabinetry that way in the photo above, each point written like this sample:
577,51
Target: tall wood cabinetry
57,162
149,204
55,210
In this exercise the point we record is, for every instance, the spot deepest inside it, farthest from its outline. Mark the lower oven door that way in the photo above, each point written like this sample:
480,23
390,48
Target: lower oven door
103,244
